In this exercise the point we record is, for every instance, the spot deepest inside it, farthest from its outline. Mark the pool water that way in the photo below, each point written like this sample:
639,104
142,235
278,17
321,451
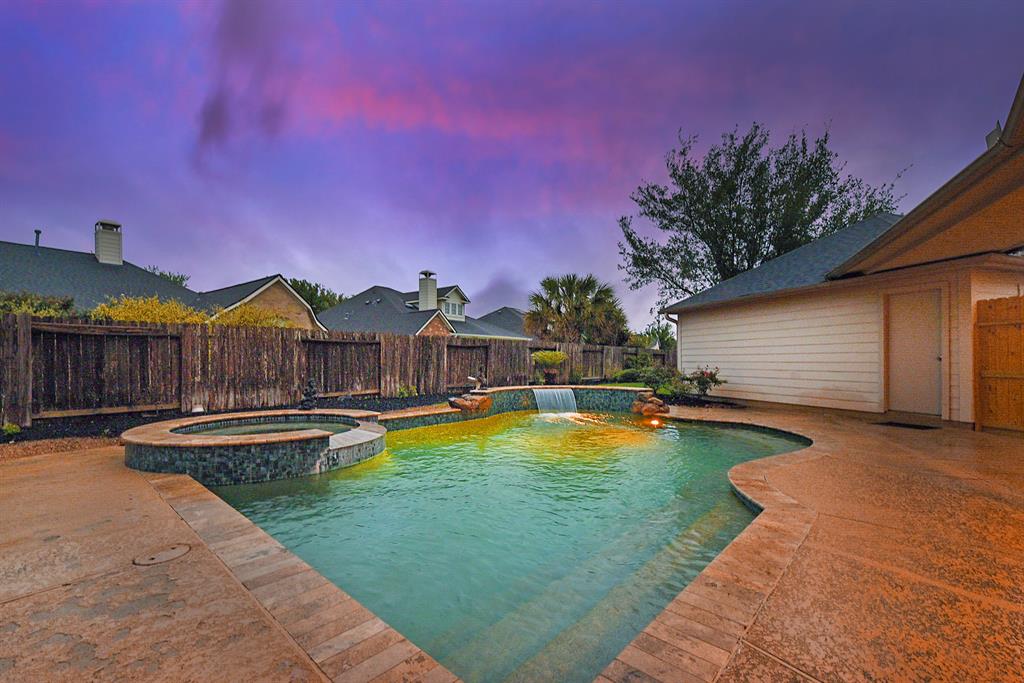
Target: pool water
273,428
520,547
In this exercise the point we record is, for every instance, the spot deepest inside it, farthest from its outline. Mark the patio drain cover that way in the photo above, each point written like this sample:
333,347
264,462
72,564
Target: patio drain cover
906,425
165,555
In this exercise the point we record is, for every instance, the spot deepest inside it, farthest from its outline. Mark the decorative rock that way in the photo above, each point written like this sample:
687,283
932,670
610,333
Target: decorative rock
647,404
470,403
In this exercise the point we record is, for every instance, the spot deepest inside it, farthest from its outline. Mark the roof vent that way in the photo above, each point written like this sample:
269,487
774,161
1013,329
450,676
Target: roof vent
993,137
38,233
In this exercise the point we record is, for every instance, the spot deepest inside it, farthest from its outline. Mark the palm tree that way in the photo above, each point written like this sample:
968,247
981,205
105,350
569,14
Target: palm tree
575,308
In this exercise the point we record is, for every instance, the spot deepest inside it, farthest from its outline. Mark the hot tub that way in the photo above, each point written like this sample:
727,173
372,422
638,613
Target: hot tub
239,448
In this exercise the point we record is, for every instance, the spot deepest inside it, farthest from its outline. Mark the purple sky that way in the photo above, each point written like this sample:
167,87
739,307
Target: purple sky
493,142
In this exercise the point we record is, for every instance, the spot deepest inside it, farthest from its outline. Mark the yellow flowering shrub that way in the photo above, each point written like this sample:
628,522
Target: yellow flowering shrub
250,315
152,309
147,309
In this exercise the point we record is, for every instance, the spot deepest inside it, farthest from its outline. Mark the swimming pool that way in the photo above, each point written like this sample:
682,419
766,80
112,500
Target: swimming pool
523,546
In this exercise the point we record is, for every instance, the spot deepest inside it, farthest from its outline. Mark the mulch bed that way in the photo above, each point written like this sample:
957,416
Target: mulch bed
24,449
111,426
694,401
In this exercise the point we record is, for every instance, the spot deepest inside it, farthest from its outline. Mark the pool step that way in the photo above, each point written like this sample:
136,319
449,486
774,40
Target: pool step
586,639
528,627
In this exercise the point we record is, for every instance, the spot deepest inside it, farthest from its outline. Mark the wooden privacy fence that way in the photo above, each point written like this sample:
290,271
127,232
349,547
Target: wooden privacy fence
999,364
60,368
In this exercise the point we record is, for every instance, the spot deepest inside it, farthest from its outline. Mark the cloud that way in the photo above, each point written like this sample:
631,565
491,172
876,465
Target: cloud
503,289
251,72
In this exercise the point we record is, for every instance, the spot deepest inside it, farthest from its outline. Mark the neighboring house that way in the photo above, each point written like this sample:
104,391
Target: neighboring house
92,279
430,310
880,315
507,318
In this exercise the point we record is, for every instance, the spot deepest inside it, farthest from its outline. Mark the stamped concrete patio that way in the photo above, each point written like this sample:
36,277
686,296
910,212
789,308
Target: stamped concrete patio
882,553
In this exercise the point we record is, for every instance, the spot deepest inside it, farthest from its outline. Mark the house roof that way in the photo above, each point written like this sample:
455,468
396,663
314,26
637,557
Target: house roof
803,267
977,211
506,318
382,309
76,274
228,296
442,292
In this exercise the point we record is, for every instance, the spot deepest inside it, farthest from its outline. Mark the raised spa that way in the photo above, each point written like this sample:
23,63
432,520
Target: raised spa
257,446
524,546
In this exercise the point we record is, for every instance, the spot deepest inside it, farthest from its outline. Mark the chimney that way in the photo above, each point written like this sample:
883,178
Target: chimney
38,233
428,291
108,243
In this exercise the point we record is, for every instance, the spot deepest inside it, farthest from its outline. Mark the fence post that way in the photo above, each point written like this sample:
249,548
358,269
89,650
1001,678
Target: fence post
16,364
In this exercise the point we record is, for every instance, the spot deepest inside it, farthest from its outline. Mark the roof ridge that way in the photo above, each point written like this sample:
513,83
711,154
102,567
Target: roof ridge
240,284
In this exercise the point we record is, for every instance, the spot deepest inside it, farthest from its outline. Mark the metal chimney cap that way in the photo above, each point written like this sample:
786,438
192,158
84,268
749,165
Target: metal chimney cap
108,224
427,273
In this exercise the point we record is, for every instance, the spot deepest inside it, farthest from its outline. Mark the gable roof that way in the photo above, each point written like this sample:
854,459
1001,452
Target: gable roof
382,309
229,296
803,267
61,272
507,318
977,211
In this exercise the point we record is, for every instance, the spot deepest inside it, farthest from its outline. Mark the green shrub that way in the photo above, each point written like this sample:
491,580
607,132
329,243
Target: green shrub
11,429
654,377
627,375
407,391
674,389
37,304
640,361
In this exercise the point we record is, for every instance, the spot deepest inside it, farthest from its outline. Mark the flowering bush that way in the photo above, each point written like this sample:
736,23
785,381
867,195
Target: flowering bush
249,315
153,309
147,309
705,379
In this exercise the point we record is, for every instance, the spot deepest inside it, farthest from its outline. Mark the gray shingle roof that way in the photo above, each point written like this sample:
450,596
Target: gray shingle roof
803,267
442,292
77,274
382,309
59,272
506,318
227,296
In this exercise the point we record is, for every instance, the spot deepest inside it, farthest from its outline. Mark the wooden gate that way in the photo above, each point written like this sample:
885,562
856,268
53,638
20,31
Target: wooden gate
999,364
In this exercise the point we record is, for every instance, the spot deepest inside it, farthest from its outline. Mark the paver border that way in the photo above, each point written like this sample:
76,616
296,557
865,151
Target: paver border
346,641
702,628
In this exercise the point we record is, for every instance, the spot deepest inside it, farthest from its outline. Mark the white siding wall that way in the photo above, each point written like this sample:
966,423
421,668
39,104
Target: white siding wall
818,349
826,348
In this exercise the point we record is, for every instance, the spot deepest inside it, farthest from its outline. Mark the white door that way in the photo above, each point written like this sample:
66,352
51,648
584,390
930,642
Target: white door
914,357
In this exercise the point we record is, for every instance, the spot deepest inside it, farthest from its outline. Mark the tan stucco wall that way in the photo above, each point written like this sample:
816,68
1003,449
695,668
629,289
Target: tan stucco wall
279,299
827,347
435,328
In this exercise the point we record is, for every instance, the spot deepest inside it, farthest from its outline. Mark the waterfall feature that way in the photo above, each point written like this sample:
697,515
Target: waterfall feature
555,400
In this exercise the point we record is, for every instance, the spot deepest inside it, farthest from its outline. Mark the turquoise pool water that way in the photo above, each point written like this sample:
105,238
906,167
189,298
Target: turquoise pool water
520,547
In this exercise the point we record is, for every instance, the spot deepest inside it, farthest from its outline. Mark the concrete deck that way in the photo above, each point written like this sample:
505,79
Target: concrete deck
882,553
237,606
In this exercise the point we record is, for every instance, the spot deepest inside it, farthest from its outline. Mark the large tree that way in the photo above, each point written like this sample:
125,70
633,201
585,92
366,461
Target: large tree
740,205
319,297
576,308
